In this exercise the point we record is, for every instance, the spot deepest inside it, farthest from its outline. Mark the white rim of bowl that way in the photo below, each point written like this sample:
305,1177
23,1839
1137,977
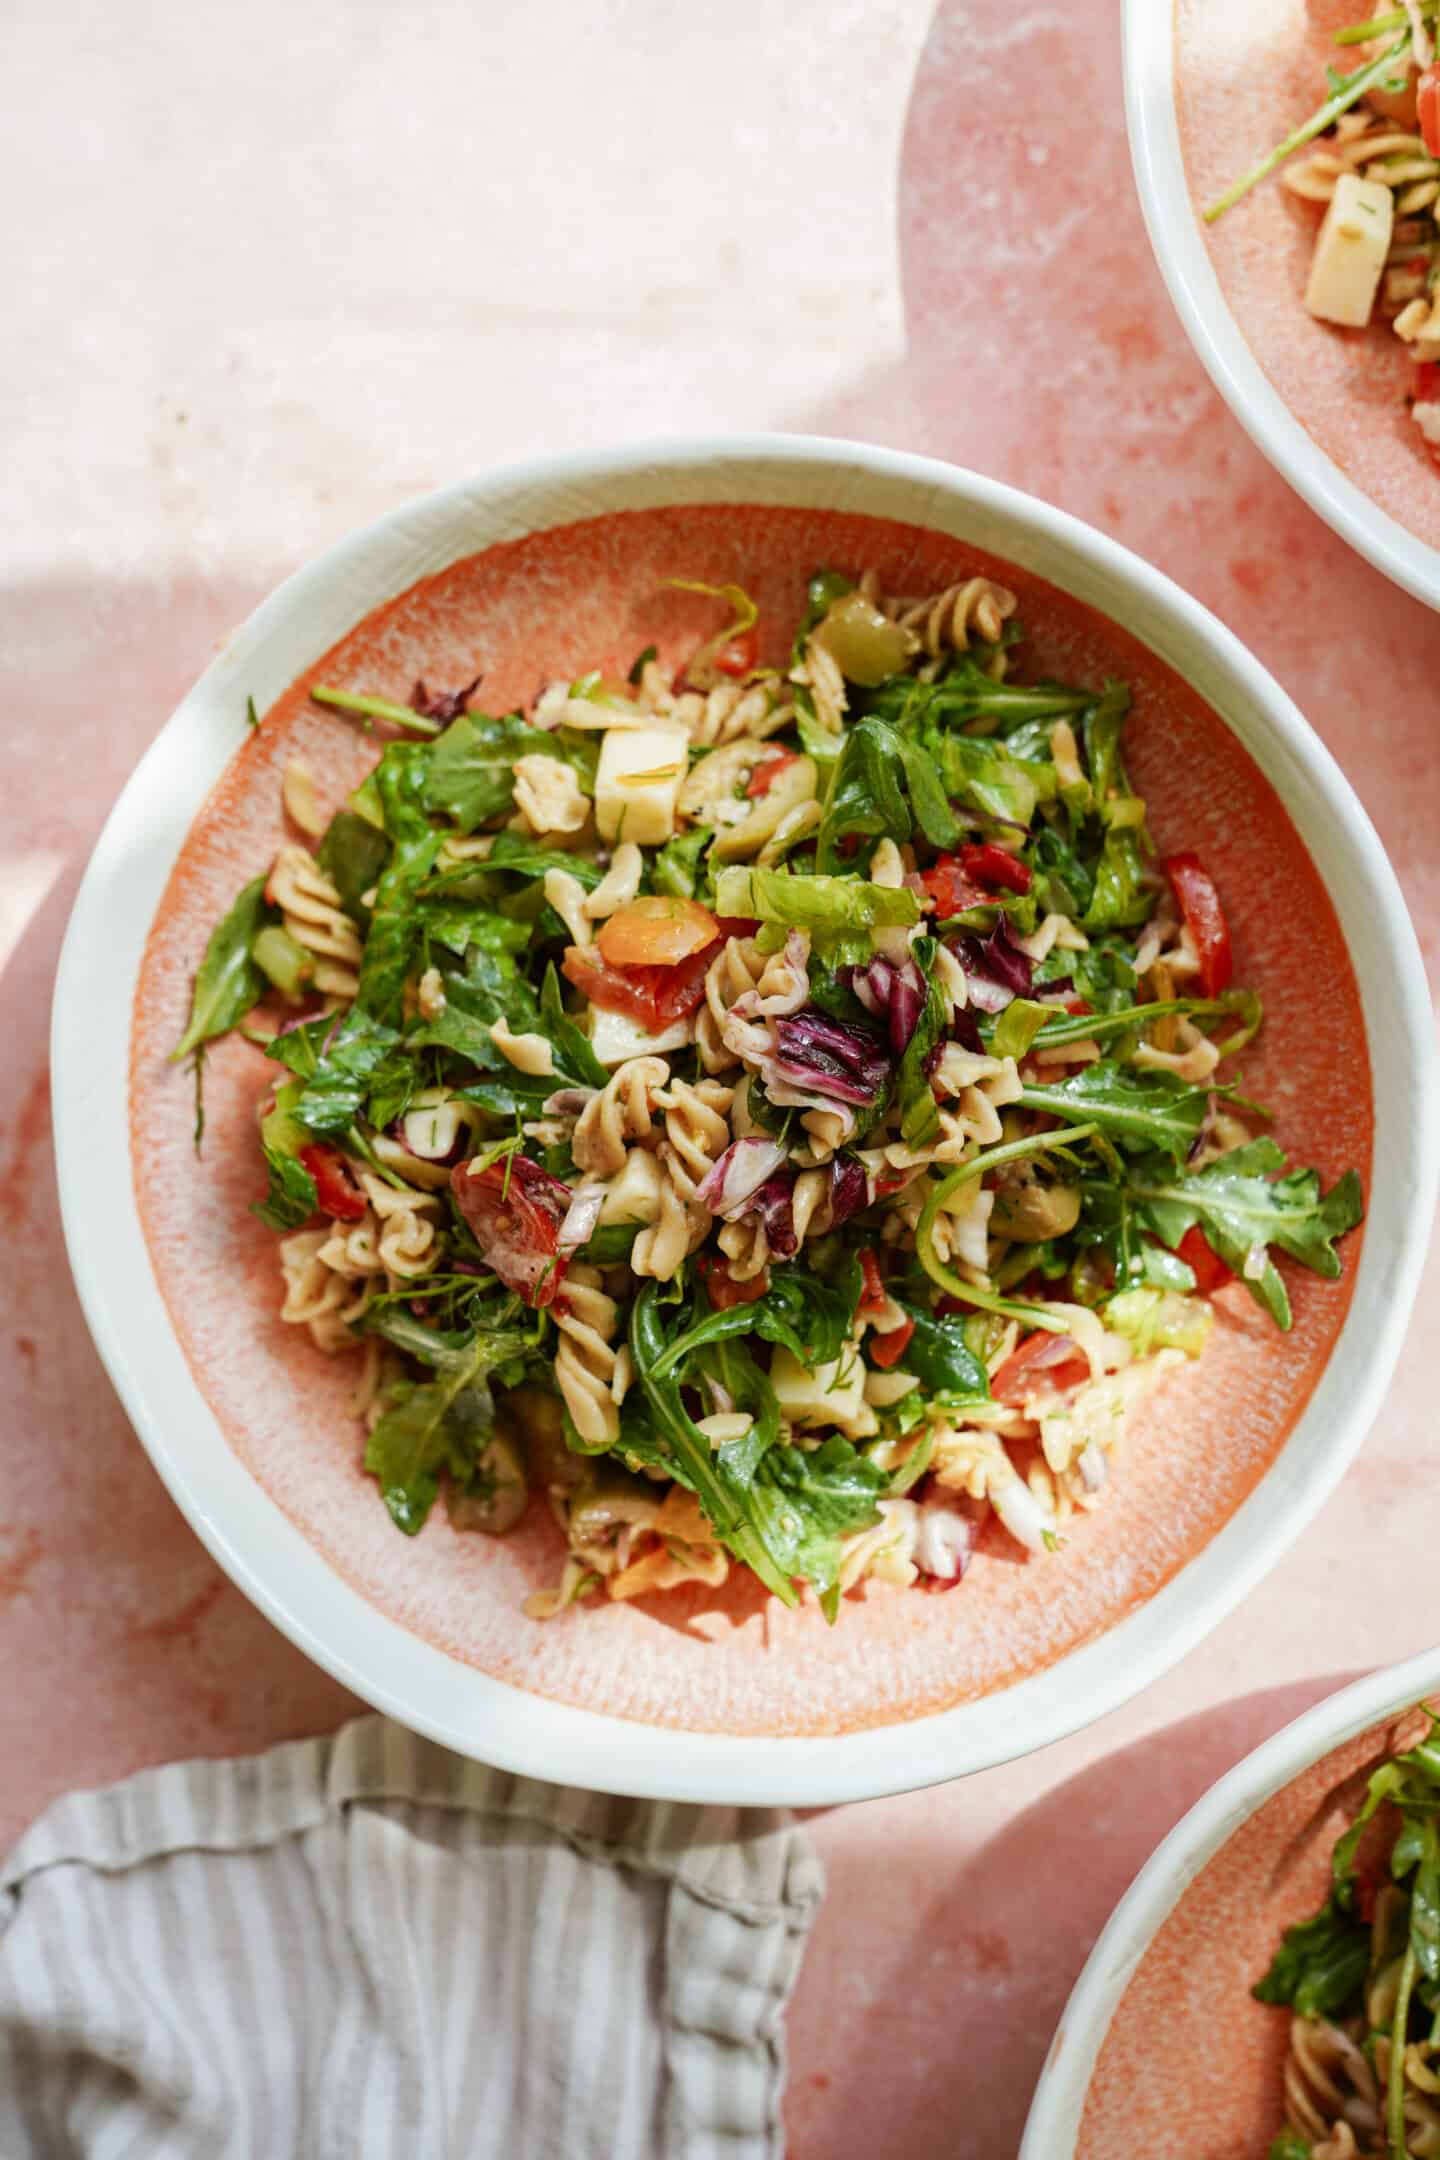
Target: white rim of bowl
257,1544
1056,2112
1179,248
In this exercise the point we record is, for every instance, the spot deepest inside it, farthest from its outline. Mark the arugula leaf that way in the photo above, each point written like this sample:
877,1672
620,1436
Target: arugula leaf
1321,1965
941,1358
804,1501
1348,91
227,982
919,1114
400,779
336,1078
457,925
516,855
353,855
781,1510
685,1452
471,776
408,1447
866,799
290,1197
985,773
1065,884
1120,899
1244,1207
1140,1111
965,692
810,1317
816,903
677,869
574,1058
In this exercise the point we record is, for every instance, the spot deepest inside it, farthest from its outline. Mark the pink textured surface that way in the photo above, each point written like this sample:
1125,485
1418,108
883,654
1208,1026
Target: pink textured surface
1213,2090
582,597
1248,76
1039,346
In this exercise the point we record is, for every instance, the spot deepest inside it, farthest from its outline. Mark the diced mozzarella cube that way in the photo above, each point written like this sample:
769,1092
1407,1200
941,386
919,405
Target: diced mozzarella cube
820,1394
615,1036
637,782
633,1194
1350,251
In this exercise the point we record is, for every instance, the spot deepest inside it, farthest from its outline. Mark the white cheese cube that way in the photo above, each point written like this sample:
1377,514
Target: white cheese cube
1350,251
823,1394
615,1036
637,782
633,1194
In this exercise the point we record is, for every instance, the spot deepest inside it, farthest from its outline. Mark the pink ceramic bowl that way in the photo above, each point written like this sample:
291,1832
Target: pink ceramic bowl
1162,2048
557,567
1210,85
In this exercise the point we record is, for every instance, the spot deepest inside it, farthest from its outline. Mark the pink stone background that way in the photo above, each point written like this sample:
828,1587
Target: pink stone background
254,306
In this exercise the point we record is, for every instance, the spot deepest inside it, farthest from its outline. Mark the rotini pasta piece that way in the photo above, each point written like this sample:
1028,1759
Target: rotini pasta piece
736,969
298,794
566,895
951,620
686,1551
746,1247
528,1053
819,672
622,1112
310,907
1325,2072
884,1552
588,1372
316,1297
548,795
717,715
619,885
697,1133
405,1241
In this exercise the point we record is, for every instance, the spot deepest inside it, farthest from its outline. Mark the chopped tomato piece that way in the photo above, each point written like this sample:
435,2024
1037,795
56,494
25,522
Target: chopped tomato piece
874,1293
655,931
1078,1006
514,1209
768,771
1204,918
884,1186
951,887
1427,106
738,655
1209,1269
1042,1360
653,996
335,1186
722,1289
994,865
888,1349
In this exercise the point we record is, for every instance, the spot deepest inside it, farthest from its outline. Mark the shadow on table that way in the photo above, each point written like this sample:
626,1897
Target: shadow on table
956,2025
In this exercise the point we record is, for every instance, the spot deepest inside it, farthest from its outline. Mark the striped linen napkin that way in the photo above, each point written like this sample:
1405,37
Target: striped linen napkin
363,1947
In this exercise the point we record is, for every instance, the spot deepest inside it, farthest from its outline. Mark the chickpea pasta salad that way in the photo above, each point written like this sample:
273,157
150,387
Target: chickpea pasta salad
779,1119
1372,167
1361,1980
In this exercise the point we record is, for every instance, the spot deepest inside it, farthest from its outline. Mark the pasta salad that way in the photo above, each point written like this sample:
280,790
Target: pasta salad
784,1116
1374,171
1361,1979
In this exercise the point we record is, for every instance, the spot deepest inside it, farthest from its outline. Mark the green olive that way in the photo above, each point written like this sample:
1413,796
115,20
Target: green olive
864,644
608,1498
498,1500
1028,1212
536,1420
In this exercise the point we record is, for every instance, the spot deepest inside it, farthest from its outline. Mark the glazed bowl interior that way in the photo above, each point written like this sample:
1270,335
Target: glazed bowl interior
550,570
1210,86
1162,2047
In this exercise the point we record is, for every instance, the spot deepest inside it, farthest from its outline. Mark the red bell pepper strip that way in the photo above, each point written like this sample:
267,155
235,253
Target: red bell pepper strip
1204,918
